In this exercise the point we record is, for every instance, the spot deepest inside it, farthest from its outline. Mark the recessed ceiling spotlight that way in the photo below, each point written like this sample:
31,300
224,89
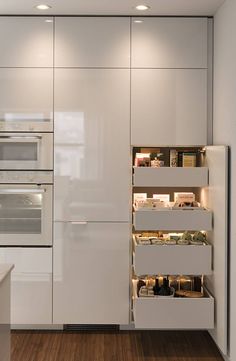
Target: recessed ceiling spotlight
48,21
138,21
43,7
142,7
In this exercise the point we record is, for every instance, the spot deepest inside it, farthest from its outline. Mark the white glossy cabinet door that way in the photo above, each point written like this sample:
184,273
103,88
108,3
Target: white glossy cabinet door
26,97
92,145
31,286
169,106
92,42
26,41
169,43
91,273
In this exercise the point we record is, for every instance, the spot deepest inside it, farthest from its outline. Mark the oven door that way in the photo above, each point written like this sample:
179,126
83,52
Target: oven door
26,215
26,151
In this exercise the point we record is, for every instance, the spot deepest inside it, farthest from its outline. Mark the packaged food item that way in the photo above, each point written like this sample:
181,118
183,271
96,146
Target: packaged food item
189,160
185,239
173,158
142,160
189,294
198,238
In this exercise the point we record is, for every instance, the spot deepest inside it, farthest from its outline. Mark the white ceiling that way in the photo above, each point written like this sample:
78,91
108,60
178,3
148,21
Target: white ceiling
111,7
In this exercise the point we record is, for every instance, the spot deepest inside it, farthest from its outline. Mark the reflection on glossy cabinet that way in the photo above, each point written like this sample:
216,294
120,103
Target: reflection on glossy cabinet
31,286
92,42
92,151
169,106
169,43
26,96
91,273
26,41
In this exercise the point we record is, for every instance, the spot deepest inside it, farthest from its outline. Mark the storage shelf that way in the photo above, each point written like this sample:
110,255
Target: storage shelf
170,177
173,313
172,259
175,220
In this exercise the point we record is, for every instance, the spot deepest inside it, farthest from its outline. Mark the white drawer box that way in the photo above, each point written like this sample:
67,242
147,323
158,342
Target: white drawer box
174,313
170,177
171,259
175,220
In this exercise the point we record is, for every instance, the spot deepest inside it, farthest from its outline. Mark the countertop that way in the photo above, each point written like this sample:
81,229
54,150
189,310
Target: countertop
5,269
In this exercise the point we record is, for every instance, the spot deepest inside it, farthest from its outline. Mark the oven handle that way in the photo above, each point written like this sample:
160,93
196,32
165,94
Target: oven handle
20,137
22,191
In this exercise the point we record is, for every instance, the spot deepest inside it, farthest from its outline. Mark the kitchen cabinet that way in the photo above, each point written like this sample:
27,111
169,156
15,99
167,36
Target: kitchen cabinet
91,273
31,286
92,42
92,145
168,106
28,43
164,42
26,99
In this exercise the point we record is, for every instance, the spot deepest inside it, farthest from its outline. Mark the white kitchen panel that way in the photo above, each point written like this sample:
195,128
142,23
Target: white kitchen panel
26,99
91,273
169,42
216,198
92,145
168,106
92,42
31,286
26,41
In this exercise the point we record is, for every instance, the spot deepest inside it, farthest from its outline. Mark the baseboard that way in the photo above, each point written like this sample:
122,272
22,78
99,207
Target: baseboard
37,327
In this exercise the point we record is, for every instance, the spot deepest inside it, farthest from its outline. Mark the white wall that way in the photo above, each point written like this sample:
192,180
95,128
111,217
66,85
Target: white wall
224,124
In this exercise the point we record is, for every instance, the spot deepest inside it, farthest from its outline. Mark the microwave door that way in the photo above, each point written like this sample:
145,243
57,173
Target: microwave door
26,152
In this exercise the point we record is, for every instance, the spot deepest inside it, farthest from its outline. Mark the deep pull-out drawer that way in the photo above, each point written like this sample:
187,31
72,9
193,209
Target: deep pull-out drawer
170,177
174,313
177,220
172,259
31,284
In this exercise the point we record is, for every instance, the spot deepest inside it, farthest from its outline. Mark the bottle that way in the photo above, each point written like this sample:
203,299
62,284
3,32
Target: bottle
156,287
165,288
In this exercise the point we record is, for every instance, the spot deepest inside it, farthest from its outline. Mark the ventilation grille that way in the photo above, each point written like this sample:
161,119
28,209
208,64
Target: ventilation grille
89,328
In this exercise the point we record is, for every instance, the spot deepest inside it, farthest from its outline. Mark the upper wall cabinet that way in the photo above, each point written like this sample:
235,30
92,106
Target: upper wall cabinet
26,99
169,106
26,42
92,42
169,43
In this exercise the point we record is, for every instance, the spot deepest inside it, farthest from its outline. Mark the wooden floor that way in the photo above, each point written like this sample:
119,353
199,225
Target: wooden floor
113,346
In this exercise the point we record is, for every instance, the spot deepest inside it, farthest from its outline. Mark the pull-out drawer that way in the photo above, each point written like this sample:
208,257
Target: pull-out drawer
172,259
174,313
31,286
170,177
177,220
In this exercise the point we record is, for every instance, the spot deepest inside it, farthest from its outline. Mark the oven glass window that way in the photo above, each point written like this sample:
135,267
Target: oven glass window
18,151
21,213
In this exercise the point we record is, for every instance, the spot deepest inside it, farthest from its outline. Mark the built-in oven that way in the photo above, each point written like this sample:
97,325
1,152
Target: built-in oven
25,211
26,151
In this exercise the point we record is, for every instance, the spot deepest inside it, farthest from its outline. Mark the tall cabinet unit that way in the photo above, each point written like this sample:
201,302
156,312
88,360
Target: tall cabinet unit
170,107
92,171
26,119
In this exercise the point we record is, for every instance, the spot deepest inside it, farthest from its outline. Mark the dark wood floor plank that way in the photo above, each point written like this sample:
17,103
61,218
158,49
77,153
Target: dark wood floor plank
113,346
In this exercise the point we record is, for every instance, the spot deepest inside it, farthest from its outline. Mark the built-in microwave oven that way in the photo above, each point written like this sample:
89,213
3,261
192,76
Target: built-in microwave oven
26,151
26,214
